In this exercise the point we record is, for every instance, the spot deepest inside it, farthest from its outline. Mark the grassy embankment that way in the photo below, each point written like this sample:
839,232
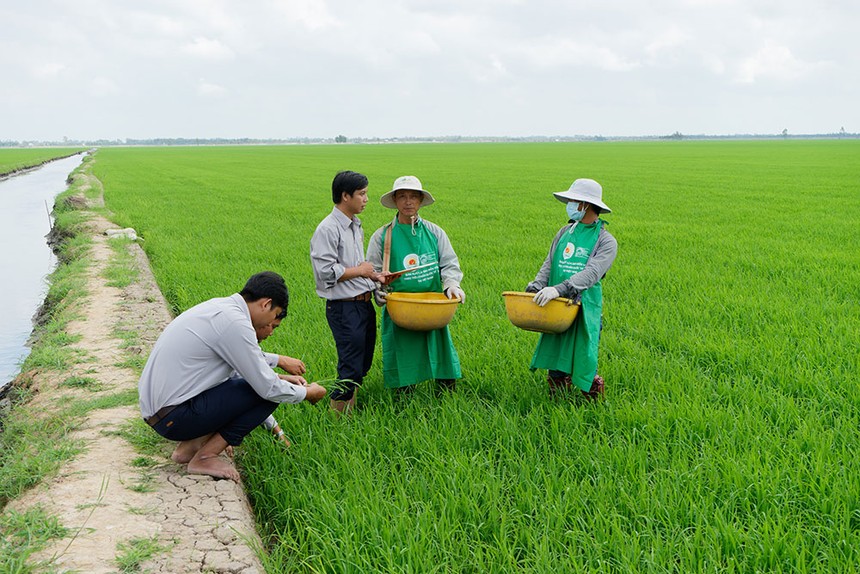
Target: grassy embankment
34,441
727,440
14,159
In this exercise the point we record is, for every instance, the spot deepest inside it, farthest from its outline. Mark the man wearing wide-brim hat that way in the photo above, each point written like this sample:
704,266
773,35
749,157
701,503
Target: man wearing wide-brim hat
579,257
409,241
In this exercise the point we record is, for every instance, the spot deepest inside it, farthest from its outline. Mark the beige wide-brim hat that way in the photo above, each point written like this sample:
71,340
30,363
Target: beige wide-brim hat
586,190
406,182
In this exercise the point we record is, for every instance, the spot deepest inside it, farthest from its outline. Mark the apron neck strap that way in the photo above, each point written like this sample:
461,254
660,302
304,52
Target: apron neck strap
386,249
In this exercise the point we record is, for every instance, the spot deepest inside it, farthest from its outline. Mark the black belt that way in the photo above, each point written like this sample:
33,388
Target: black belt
154,419
362,297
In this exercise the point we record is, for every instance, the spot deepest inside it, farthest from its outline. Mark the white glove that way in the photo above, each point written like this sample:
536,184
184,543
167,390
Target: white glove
380,297
545,295
455,291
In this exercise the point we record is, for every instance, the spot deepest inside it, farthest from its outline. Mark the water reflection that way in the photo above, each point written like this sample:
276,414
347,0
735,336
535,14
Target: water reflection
25,258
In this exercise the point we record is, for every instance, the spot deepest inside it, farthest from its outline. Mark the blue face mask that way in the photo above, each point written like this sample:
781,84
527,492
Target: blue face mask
572,211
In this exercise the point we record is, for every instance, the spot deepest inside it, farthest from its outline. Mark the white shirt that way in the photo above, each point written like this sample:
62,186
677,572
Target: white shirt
200,349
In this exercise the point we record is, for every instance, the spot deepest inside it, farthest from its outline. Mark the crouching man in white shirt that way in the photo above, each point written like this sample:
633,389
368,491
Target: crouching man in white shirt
186,392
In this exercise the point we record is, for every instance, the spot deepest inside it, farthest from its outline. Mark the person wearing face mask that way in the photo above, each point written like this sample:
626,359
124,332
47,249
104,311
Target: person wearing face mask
579,257
409,357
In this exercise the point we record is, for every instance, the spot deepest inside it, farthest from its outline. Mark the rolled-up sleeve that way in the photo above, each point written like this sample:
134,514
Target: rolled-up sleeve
238,347
271,359
324,256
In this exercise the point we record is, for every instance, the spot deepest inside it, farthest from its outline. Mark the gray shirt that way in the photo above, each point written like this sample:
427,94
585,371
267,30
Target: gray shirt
598,264
338,243
200,349
449,264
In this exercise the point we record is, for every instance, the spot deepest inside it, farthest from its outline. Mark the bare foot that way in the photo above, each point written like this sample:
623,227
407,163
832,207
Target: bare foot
213,466
186,449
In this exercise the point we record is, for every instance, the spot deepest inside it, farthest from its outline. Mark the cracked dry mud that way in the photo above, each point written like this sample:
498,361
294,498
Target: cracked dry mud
204,525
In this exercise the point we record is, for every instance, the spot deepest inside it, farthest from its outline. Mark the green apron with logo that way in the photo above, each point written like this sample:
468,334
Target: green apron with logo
409,357
575,350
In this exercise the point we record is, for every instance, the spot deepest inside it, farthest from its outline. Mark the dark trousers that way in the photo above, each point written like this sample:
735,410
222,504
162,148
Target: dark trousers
232,409
353,324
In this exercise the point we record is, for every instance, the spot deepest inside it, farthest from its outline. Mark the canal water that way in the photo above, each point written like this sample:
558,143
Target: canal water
25,257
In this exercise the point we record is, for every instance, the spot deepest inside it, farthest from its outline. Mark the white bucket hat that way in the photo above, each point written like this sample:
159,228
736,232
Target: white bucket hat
406,182
586,190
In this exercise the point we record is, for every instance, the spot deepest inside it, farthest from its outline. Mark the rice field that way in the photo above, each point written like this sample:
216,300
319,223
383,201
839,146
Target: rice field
728,438
13,159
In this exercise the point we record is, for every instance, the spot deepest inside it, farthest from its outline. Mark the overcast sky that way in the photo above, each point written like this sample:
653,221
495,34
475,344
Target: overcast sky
113,69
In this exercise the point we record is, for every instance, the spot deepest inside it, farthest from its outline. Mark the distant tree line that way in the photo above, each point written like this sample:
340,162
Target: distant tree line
677,135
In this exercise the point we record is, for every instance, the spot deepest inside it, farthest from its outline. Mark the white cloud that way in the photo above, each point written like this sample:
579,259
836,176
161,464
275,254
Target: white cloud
207,48
312,67
666,43
562,53
497,66
169,26
49,71
714,64
313,15
102,87
771,61
208,89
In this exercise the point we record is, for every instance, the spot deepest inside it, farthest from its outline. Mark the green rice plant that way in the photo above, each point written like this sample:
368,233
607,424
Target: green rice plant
729,350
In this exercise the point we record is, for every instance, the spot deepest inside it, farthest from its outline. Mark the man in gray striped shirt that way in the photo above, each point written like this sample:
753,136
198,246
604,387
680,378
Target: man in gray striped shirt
346,281
187,393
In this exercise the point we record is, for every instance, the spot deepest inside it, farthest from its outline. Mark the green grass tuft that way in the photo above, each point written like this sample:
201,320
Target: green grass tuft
132,553
88,383
24,533
122,270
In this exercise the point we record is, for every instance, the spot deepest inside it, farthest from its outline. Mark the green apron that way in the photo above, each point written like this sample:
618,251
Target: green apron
409,357
575,350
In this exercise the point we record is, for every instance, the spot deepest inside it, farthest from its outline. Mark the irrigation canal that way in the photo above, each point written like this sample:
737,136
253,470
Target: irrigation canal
25,257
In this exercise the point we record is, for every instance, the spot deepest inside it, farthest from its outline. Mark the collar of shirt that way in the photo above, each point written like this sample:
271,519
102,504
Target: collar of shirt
418,219
239,301
342,219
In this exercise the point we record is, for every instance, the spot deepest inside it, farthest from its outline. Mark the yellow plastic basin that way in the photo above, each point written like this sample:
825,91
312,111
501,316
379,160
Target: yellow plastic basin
421,311
555,317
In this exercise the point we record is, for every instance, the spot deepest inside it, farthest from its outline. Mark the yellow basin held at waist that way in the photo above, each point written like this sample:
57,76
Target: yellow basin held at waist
555,317
421,311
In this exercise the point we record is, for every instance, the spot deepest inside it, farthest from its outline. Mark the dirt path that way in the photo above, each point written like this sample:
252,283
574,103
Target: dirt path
203,524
